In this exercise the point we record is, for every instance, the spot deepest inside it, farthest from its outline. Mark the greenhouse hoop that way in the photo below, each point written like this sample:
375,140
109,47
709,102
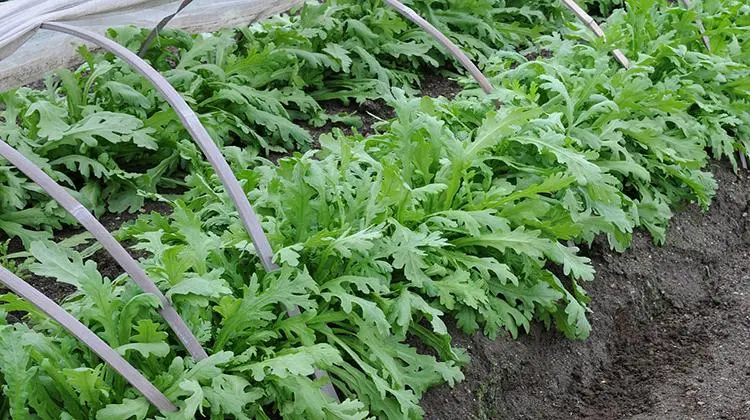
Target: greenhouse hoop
159,26
449,45
194,127
699,22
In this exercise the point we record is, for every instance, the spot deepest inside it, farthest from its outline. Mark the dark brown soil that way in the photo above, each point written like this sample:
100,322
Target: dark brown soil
536,54
670,340
372,112
106,264
436,84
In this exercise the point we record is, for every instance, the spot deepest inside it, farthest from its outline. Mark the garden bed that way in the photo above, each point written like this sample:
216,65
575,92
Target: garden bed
467,212
671,331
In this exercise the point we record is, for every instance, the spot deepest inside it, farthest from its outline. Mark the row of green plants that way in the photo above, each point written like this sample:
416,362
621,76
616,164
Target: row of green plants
455,210
103,131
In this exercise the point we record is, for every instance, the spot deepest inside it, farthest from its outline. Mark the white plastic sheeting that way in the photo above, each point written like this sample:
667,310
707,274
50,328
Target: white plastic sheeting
27,53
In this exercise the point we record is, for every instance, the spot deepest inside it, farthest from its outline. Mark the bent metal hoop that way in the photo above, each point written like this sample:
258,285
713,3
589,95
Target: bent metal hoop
449,45
159,26
706,41
194,127
96,344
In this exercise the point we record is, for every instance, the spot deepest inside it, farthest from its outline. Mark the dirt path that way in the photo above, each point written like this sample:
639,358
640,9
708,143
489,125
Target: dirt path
671,335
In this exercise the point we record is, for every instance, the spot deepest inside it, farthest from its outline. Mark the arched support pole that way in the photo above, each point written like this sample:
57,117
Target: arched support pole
328,388
110,244
96,344
590,23
194,127
449,45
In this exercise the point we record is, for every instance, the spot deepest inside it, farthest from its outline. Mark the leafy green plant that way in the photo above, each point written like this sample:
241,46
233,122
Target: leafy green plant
103,130
454,210
450,210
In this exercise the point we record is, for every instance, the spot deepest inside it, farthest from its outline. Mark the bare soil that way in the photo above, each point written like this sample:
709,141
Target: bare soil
105,263
371,112
437,84
670,340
